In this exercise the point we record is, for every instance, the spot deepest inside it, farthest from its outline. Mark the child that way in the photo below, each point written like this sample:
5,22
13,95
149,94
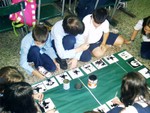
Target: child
135,95
9,74
69,43
97,33
36,48
144,26
18,98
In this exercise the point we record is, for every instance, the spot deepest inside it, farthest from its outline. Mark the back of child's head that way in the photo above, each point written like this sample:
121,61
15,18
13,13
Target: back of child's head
40,33
9,74
18,90
100,15
17,98
134,85
73,25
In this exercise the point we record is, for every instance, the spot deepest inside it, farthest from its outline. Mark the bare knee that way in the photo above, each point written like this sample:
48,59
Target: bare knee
119,41
98,52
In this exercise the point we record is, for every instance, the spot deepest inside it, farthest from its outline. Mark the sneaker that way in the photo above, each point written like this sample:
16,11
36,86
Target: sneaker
62,63
44,72
114,30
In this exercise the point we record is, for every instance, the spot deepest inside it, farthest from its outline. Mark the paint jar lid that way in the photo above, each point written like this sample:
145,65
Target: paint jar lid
65,81
92,77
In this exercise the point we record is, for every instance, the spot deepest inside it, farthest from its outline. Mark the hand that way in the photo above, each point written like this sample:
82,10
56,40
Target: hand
38,96
84,46
38,74
57,65
73,63
41,76
127,41
103,47
116,100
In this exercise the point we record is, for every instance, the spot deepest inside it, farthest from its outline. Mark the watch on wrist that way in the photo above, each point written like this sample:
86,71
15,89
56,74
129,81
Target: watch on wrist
132,40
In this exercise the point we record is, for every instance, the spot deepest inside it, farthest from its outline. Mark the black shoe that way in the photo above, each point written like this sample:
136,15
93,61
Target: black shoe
62,63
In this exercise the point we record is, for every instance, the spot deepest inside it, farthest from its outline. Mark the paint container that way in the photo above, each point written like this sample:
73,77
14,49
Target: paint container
66,84
92,81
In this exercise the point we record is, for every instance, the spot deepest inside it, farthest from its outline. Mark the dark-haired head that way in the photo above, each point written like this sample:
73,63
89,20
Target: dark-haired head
146,26
100,15
73,25
9,74
18,98
134,86
40,33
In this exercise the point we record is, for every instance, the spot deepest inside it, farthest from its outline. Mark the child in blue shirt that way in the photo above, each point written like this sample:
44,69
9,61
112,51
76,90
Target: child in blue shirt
36,48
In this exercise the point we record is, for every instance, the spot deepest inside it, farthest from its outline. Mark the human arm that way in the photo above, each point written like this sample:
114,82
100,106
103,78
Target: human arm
72,52
80,46
51,52
27,67
129,109
105,37
133,36
103,44
58,34
137,28
26,43
73,63
105,29
38,74
117,101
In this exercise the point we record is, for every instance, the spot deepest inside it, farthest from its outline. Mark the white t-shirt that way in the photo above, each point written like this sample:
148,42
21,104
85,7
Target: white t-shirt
139,26
92,34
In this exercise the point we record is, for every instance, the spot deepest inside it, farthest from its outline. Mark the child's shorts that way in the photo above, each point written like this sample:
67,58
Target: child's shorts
110,41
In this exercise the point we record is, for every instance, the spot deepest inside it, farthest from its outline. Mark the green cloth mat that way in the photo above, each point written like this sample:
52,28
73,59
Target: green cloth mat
78,101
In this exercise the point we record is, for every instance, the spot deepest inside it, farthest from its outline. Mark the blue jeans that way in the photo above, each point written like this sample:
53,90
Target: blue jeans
69,42
39,59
